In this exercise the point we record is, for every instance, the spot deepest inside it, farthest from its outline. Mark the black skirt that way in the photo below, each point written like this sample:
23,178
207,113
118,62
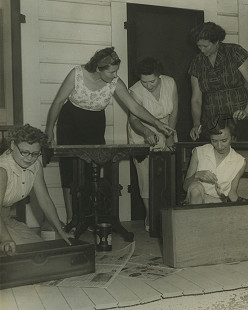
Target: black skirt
77,126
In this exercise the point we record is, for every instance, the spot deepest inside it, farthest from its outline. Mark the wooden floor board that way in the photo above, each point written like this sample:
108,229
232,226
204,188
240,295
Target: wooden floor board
164,288
206,284
123,294
101,298
52,298
234,273
7,300
141,289
27,298
186,286
77,298
217,276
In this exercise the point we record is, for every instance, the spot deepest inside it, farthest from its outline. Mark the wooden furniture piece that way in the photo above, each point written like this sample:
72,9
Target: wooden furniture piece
203,234
161,188
47,260
98,156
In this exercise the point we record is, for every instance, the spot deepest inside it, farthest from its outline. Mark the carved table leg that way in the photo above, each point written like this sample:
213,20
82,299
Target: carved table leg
116,224
78,219
95,170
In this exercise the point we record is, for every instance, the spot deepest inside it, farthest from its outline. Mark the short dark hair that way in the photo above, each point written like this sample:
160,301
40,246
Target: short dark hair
29,134
93,64
207,31
221,122
149,66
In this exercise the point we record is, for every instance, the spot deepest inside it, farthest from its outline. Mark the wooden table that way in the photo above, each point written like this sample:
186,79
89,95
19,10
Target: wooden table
98,156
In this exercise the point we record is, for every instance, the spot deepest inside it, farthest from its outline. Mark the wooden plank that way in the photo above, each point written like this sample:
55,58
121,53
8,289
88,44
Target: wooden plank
101,298
7,300
223,279
77,11
123,294
82,33
77,298
242,268
208,285
27,298
145,292
52,298
166,289
183,284
238,273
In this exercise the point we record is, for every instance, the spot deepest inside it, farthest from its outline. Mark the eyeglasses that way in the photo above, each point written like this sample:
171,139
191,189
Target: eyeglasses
27,153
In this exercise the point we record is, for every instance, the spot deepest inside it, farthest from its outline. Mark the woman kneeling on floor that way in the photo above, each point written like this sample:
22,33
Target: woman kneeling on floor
215,169
20,171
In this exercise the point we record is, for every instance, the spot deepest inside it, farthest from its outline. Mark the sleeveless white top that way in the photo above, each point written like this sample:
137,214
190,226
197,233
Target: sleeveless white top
20,180
93,100
161,108
225,172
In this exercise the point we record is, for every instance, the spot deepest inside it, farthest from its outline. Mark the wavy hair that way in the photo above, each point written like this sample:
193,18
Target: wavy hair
149,66
29,134
221,122
93,64
208,31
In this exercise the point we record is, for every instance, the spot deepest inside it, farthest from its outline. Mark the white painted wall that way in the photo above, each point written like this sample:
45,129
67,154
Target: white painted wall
58,34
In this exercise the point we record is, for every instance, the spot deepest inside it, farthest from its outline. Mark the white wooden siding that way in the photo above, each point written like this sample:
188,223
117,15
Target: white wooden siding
69,34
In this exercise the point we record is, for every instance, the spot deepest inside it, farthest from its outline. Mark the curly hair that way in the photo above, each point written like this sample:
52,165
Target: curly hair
207,31
29,134
93,64
149,66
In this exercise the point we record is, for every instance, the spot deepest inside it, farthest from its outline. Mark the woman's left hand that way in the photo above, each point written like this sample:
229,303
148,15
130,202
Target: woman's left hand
170,143
240,114
165,129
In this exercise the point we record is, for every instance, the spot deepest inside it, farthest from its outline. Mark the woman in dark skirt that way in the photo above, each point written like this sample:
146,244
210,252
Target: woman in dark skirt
79,107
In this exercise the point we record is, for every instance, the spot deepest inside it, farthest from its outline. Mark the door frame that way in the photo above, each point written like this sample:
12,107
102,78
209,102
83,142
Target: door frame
12,112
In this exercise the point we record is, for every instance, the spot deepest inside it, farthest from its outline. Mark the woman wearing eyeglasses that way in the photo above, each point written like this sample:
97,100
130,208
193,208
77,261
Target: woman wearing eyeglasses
20,171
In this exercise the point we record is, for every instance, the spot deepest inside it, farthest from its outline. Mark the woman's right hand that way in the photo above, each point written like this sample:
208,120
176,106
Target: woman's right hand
8,247
165,129
206,176
195,132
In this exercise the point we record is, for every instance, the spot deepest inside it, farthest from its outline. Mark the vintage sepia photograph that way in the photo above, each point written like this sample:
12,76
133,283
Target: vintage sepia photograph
124,154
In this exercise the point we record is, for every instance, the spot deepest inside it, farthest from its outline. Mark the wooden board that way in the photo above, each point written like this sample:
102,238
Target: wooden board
205,235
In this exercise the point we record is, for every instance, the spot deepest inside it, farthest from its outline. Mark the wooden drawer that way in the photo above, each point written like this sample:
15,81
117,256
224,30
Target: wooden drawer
44,261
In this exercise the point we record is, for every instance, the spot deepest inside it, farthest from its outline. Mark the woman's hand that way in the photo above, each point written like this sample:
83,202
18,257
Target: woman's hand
165,129
66,236
170,143
150,136
206,176
8,247
195,132
50,135
240,114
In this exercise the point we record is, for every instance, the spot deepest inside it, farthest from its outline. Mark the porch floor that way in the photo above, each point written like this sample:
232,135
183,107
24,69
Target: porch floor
216,287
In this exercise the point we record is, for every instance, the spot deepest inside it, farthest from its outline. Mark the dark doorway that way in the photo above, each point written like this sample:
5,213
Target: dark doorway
163,33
